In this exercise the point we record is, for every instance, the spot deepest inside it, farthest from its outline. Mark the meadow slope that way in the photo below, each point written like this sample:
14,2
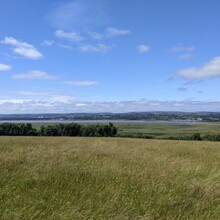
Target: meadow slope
108,178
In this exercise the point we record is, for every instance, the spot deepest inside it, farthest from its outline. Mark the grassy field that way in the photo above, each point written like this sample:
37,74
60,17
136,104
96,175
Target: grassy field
108,178
161,130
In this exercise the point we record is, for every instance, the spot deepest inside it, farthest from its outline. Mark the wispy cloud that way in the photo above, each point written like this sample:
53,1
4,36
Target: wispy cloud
183,52
47,97
34,94
48,42
35,75
4,67
186,56
209,70
182,89
182,49
100,48
96,35
191,82
65,46
110,32
114,32
72,36
143,48
22,48
79,83
78,15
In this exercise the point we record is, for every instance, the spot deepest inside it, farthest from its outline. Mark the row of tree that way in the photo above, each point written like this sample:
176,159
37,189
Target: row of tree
72,129
197,137
20,129
193,137
96,130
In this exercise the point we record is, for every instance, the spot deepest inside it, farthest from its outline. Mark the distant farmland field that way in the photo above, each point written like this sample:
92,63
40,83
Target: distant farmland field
160,130
108,178
168,129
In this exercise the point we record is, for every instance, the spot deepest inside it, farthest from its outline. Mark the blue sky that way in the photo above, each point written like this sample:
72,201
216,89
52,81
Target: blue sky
109,56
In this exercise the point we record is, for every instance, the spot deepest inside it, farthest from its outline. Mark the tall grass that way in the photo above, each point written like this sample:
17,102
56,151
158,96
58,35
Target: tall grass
108,178
161,130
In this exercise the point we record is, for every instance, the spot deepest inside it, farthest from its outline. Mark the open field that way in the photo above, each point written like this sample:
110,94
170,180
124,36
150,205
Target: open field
108,178
168,129
160,130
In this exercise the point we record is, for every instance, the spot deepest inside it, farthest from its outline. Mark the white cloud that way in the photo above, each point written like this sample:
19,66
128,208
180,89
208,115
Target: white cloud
80,104
47,96
100,48
109,33
114,32
182,48
143,48
48,42
61,99
10,102
79,83
22,48
209,70
4,67
35,94
72,36
65,104
35,74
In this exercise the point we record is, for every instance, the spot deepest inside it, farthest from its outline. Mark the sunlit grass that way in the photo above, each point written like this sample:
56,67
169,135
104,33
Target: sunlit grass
108,178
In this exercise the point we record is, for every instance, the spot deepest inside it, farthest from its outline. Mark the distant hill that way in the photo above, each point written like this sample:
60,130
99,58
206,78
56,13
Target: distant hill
154,116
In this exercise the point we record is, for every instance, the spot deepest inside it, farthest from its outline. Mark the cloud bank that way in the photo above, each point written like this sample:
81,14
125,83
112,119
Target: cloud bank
63,104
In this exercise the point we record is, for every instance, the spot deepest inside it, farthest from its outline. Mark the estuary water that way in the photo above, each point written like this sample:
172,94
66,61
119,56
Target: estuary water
102,121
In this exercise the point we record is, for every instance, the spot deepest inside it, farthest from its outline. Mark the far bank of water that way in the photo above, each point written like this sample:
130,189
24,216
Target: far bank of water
188,122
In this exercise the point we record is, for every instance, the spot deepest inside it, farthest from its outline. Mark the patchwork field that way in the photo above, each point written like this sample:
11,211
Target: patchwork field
108,178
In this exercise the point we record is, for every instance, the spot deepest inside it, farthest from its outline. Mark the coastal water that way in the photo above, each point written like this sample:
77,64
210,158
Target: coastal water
101,121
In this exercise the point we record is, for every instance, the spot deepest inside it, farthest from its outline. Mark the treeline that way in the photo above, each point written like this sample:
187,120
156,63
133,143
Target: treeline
193,137
197,137
95,130
11,129
72,129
